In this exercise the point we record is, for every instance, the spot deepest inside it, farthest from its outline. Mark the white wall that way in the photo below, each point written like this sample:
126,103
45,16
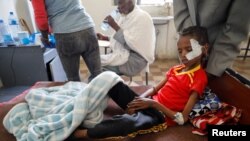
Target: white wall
5,7
21,8
24,10
98,10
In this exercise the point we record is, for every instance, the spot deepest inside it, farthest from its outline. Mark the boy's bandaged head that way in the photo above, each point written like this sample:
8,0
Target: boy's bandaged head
196,50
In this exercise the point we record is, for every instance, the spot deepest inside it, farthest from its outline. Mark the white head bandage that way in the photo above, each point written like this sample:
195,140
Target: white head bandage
196,49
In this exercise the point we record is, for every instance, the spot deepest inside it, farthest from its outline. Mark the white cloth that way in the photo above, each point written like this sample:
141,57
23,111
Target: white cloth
139,34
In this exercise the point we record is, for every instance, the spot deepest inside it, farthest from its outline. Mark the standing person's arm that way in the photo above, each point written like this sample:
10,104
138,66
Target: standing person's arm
226,46
102,37
182,17
41,19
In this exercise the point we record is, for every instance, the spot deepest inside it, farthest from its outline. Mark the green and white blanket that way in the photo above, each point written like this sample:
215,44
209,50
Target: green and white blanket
52,114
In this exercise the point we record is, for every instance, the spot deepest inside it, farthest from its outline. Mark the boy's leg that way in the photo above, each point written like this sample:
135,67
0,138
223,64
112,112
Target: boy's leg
122,94
79,133
122,125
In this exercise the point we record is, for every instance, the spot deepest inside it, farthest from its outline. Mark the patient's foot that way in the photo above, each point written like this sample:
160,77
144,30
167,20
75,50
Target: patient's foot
80,133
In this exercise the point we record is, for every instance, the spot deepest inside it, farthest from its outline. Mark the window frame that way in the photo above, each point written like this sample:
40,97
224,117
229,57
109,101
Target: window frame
139,2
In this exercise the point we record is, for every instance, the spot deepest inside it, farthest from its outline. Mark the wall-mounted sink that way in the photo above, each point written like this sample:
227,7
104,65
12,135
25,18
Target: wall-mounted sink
162,20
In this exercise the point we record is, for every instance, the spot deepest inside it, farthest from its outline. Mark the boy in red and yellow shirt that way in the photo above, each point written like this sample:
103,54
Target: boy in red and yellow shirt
169,103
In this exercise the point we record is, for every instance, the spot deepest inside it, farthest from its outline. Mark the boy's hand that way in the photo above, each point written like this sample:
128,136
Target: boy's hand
130,111
140,103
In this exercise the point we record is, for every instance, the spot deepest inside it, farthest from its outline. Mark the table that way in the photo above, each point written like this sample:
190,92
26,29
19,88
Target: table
105,44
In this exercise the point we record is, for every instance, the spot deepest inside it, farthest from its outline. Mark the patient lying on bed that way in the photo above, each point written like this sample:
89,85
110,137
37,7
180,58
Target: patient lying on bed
54,113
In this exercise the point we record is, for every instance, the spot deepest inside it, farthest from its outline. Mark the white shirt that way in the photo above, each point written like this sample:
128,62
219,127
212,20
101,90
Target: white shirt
139,34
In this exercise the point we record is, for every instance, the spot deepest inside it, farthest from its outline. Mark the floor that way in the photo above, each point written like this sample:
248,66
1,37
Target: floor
159,68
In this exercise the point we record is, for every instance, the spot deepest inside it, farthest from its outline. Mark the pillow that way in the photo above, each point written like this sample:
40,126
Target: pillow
209,102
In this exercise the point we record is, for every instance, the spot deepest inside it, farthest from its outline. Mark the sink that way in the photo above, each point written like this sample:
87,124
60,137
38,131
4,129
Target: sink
162,20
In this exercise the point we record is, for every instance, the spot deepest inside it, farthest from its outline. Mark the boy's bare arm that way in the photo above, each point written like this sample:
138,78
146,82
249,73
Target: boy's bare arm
185,113
142,103
187,109
165,110
190,104
155,89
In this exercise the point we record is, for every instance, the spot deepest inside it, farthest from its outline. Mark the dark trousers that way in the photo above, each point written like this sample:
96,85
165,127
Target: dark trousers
70,46
122,125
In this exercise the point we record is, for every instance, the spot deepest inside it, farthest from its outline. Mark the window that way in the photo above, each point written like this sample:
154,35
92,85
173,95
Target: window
149,2
153,2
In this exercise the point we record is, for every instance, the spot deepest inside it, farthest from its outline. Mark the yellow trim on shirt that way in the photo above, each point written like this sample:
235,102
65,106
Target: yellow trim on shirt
190,73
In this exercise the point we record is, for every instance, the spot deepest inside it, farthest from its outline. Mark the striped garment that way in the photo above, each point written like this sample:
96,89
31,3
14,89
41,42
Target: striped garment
52,114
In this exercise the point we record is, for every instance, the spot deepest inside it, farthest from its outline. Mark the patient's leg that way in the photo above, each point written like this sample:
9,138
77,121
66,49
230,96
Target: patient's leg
122,125
122,94
80,133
